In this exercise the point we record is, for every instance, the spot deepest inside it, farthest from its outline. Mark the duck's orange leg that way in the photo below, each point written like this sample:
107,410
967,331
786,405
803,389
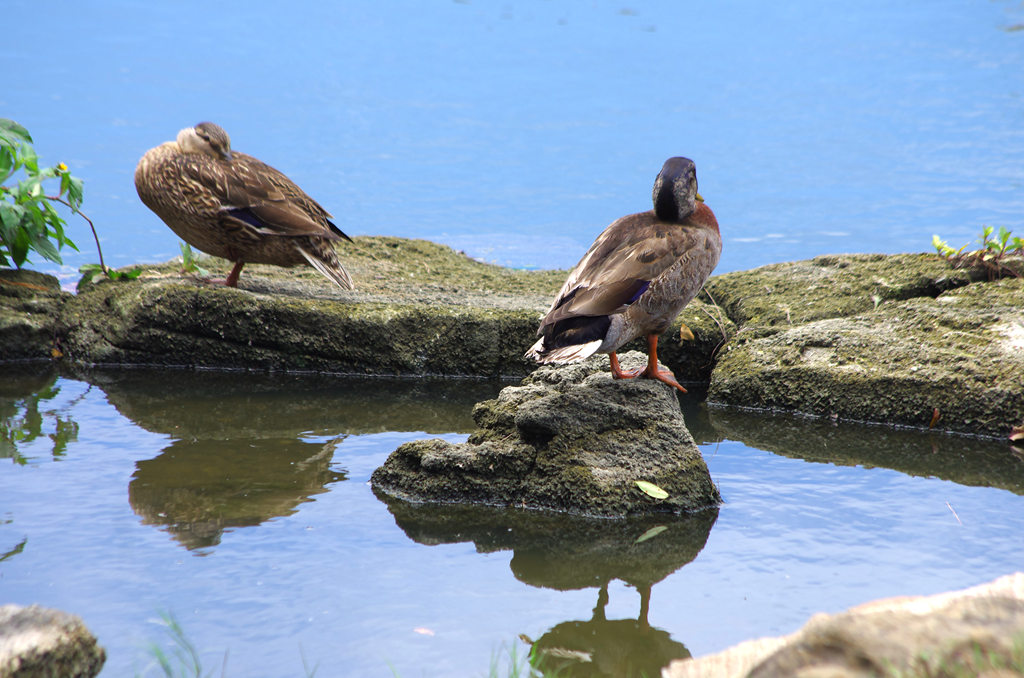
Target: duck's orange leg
652,371
232,280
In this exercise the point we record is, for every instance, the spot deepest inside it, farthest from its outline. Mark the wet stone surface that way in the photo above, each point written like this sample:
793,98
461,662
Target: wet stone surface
567,439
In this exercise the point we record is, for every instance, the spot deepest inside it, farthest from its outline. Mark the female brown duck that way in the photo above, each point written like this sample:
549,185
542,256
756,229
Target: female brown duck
635,279
233,206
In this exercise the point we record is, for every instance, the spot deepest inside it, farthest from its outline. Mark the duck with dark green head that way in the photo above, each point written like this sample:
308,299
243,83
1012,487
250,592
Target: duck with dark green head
635,279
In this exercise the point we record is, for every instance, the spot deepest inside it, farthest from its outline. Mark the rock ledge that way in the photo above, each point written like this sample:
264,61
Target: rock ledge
568,439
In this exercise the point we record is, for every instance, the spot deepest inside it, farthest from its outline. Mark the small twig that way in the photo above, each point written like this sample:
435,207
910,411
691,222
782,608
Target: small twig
954,513
99,250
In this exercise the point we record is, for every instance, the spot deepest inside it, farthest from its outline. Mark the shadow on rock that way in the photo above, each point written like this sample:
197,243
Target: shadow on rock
964,460
566,552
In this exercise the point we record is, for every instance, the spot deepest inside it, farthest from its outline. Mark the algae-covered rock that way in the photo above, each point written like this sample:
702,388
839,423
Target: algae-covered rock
568,439
958,357
974,632
30,304
778,296
419,308
44,643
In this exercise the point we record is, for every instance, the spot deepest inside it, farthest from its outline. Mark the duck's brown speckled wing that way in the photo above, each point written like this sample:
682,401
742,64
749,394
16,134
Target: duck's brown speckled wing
246,194
252,171
619,266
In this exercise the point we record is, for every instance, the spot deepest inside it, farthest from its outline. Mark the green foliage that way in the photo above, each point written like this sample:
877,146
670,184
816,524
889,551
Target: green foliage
29,222
182,660
651,489
23,421
90,271
190,261
991,255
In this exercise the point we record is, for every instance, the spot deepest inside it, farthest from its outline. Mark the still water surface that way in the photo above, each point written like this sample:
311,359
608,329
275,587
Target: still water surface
517,131
514,131
241,503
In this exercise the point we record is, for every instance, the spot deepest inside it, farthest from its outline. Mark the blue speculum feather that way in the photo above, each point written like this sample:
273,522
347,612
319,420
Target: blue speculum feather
243,214
639,292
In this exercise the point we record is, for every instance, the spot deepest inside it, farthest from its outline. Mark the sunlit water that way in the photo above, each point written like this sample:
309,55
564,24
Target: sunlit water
517,131
240,503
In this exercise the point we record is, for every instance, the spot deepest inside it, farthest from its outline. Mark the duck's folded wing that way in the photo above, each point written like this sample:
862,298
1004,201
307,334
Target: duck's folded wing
248,199
619,267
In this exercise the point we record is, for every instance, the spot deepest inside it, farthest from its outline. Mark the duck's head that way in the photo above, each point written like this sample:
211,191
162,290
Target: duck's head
206,137
675,190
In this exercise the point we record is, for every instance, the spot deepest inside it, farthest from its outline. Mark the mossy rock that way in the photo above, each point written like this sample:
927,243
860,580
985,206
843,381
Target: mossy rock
959,356
419,308
779,296
30,305
568,439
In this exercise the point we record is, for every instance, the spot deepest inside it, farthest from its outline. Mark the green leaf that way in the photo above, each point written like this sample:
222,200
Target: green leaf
9,128
6,164
1004,235
74,192
19,247
651,489
650,534
89,271
46,248
29,159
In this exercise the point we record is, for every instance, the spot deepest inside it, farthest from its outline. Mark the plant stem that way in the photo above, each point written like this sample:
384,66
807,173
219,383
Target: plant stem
99,250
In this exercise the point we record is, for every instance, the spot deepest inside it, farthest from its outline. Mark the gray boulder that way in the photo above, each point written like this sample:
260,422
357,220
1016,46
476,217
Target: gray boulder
567,439
974,632
37,642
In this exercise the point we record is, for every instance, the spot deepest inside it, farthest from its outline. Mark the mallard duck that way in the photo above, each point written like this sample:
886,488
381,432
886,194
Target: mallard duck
635,279
233,206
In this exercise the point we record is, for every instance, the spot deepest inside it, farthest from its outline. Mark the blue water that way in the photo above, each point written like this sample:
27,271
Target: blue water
240,503
517,131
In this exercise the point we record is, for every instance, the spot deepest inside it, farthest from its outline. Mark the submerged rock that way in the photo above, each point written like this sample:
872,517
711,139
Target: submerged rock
971,632
36,641
567,439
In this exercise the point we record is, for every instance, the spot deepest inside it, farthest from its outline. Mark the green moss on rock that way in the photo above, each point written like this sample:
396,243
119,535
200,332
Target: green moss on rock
568,439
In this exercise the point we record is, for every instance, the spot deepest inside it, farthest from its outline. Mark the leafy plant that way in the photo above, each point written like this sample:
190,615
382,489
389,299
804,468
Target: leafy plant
29,222
190,261
992,254
28,219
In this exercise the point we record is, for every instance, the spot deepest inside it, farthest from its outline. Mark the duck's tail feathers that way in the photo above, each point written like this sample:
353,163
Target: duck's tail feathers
323,259
564,354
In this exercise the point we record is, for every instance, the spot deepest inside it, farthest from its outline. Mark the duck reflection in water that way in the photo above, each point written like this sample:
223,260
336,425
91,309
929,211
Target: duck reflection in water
566,553
200,488
243,453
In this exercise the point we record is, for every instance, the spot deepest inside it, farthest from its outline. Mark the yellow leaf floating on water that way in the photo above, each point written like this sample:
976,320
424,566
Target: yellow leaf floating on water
651,533
1017,433
651,489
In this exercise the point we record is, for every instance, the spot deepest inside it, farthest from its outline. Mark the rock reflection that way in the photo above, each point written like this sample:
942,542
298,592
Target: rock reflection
240,404
571,552
964,460
24,390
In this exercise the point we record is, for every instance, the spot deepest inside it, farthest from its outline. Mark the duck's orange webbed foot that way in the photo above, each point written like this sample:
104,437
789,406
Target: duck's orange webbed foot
651,371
